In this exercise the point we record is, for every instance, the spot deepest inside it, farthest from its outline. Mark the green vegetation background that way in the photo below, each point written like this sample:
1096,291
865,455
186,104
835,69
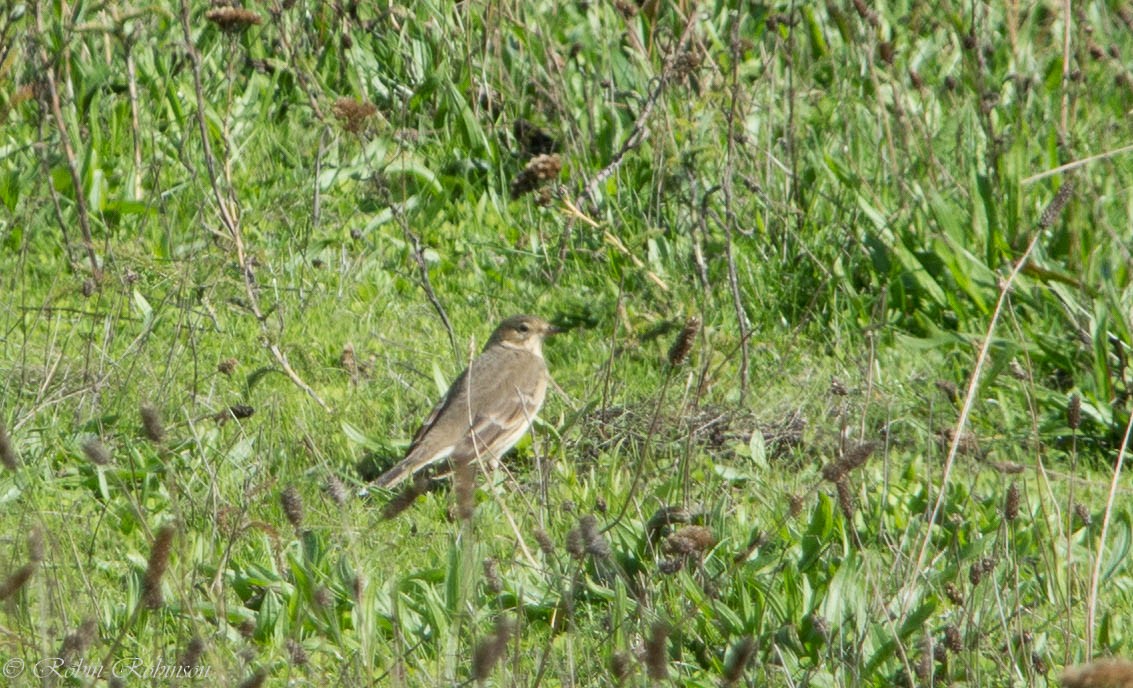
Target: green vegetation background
244,251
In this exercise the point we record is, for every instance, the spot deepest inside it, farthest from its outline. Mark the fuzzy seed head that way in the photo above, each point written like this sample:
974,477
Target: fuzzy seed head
491,648
679,351
1011,503
232,19
546,545
152,427
539,170
353,116
8,455
738,659
156,566
1074,412
657,651
96,452
292,503
336,490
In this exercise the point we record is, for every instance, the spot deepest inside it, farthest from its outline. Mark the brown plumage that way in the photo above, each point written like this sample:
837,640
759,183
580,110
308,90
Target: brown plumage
489,407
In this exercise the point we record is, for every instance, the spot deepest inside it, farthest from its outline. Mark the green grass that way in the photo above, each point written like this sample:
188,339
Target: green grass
840,194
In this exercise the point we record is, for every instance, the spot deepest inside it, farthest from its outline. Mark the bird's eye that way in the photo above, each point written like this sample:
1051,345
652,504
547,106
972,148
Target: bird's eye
522,328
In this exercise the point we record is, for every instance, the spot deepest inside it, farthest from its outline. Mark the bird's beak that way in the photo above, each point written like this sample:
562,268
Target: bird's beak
551,331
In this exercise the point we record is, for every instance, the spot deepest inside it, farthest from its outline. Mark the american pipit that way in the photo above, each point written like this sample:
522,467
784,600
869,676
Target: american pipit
489,407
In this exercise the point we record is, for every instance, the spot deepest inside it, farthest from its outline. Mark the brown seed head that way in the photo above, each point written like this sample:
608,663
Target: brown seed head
657,651
738,659
546,545
1074,412
10,585
297,653
621,666
689,540
353,114
678,352
227,366
8,455
1011,503
292,503
596,545
845,498
232,19
539,170
336,490
152,427
489,650
96,451
1054,209
155,568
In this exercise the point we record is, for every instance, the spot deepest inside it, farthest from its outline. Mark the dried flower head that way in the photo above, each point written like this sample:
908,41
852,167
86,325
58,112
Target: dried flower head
737,660
35,545
657,651
953,640
539,170
492,576
232,19
546,545
1074,412
952,592
621,666
689,540
8,455
256,680
593,541
576,544
227,366
155,567
489,650
845,498
152,427
297,653
678,352
75,644
96,452
10,585
353,114
193,651
1054,209
1011,503
292,503
336,490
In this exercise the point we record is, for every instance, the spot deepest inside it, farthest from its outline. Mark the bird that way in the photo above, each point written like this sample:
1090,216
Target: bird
489,407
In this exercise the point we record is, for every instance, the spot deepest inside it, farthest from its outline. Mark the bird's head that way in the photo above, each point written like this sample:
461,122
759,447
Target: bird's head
523,332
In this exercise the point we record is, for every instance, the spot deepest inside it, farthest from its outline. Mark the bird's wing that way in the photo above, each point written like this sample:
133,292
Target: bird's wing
503,409
486,411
